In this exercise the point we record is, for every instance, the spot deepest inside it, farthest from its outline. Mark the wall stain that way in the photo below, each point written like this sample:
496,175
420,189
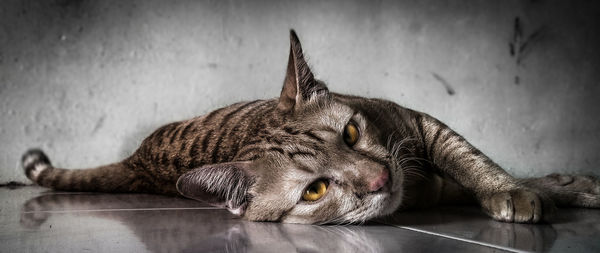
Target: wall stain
537,145
521,45
99,124
445,83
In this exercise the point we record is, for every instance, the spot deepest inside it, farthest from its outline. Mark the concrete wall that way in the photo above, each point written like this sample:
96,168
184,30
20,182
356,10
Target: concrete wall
88,80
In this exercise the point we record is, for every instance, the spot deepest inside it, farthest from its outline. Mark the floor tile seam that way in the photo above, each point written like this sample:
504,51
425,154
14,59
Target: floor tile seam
485,244
125,209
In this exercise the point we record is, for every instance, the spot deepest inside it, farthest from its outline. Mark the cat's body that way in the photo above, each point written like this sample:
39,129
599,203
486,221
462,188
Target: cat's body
312,156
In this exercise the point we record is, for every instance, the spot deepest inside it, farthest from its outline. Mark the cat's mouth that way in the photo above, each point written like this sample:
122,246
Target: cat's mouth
395,181
393,192
389,203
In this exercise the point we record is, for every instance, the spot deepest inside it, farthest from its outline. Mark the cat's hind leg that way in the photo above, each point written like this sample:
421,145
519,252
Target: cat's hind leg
568,190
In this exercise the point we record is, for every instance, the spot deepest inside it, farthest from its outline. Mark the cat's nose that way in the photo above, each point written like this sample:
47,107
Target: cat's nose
379,181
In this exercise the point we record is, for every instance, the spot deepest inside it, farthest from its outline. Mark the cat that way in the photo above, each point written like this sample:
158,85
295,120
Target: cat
313,156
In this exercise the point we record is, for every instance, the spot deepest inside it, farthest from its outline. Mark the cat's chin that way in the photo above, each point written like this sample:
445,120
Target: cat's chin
392,202
382,204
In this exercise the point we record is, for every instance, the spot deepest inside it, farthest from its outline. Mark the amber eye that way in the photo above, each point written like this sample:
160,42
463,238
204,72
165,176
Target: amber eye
350,134
315,191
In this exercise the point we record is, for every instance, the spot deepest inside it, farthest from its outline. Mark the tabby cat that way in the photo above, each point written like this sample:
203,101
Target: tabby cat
313,156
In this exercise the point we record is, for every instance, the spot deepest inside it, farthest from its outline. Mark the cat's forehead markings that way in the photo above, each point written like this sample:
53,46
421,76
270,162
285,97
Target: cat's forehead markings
336,116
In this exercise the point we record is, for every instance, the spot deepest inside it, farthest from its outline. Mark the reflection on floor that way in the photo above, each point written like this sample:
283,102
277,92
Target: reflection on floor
34,219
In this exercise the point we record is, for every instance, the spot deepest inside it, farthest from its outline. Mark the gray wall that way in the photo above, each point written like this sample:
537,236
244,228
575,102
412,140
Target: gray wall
88,80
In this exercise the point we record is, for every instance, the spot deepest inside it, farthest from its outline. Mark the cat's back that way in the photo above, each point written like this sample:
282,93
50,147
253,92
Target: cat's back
215,137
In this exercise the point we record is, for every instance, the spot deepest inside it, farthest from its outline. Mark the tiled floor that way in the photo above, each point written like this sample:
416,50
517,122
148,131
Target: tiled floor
33,219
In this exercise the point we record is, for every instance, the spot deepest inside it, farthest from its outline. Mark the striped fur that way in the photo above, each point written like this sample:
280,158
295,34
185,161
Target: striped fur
257,158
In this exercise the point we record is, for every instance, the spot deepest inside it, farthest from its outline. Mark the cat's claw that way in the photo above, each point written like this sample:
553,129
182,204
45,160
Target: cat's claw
520,206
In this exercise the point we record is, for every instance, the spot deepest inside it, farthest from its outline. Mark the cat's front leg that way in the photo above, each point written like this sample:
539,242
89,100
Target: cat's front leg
568,190
500,195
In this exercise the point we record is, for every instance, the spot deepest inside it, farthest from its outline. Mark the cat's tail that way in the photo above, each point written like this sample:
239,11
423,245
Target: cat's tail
115,177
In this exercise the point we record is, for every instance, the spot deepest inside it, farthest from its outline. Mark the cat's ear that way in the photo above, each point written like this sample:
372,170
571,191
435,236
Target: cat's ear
222,185
300,86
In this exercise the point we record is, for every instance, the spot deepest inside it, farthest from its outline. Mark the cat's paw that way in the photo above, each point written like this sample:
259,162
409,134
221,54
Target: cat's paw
521,206
587,184
569,190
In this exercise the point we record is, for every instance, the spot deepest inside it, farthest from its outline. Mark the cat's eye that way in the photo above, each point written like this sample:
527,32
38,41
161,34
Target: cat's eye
315,191
351,134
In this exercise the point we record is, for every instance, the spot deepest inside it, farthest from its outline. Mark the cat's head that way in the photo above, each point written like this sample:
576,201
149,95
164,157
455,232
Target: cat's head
329,162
